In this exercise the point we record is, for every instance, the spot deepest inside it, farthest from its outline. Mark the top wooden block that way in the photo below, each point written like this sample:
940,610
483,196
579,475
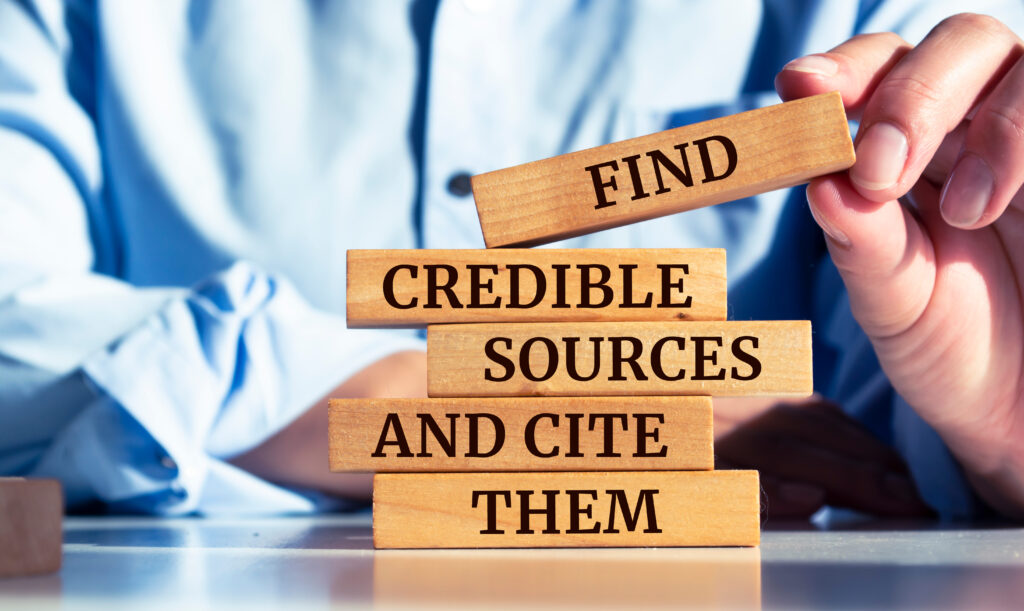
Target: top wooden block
671,171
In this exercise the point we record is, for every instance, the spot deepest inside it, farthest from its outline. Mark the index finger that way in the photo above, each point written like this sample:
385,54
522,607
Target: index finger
923,98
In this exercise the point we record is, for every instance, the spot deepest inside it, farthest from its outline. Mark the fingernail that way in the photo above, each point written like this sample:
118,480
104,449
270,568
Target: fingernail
814,64
802,494
830,230
881,155
899,487
967,191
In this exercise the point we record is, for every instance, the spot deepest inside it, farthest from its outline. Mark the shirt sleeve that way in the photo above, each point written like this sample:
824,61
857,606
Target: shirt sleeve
135,397
209,375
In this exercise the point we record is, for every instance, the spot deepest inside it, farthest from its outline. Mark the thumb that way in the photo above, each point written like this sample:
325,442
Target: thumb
882,252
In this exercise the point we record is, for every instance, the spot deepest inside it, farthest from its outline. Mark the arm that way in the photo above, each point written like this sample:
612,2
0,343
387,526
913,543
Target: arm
297,454
136,398
935,281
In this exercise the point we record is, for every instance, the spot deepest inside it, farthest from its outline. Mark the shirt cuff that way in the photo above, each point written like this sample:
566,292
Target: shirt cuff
206,378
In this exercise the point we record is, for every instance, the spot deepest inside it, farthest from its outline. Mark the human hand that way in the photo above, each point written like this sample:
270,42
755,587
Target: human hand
938,283
812,454
297,454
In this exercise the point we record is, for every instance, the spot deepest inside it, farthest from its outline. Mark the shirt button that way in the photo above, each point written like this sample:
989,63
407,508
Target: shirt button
459,185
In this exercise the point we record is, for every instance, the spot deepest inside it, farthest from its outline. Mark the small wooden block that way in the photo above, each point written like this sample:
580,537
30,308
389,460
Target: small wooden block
734,358
671,171
617,509
389,288
516,434
30,526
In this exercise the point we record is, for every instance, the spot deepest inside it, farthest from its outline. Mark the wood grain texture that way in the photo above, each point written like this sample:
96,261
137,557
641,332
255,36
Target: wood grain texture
566,434
30,526
751,358
669,292
775,147
623,509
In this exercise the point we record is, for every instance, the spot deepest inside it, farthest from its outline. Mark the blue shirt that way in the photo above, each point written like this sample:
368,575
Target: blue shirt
179,182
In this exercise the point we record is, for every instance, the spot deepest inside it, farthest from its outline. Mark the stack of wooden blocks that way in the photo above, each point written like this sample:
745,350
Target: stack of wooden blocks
570,390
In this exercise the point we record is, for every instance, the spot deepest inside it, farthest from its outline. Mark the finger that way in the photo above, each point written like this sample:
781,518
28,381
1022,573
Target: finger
884,256
851,483
854,68
790,500
822,425
925,95
826,424
939,168
990,170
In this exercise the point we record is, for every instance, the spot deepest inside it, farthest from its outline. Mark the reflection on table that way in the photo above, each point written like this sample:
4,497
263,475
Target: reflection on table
118,563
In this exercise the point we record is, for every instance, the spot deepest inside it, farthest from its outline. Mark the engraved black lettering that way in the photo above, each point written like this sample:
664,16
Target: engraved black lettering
600,184
392,423
667,284
434,286
627,290
515,284
474,435
618,358
524,359
608,428
476,286
575,511
447,444
499,359
491,497
746,357
587,285
632,520
548,511
643,434
656,365
571,357
634,174
705,157
702,357
660,160
530,435
389,287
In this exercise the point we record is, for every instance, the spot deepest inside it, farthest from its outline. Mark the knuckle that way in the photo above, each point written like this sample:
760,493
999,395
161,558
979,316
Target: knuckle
909,90
912,101
984,24
1002,122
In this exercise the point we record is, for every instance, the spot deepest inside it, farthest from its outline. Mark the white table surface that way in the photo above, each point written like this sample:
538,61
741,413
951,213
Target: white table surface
323,562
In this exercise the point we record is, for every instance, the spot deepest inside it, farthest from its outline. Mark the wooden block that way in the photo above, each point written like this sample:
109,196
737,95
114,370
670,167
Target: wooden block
679,578
574,509
30,526
732,358
671,171
517,434
414,287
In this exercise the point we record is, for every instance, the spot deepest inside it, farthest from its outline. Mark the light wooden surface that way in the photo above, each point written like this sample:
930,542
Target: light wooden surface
537,434
664,283
486,359
663,509
30,526
775,147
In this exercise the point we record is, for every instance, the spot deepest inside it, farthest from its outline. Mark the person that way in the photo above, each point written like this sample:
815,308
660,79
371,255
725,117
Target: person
180,181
